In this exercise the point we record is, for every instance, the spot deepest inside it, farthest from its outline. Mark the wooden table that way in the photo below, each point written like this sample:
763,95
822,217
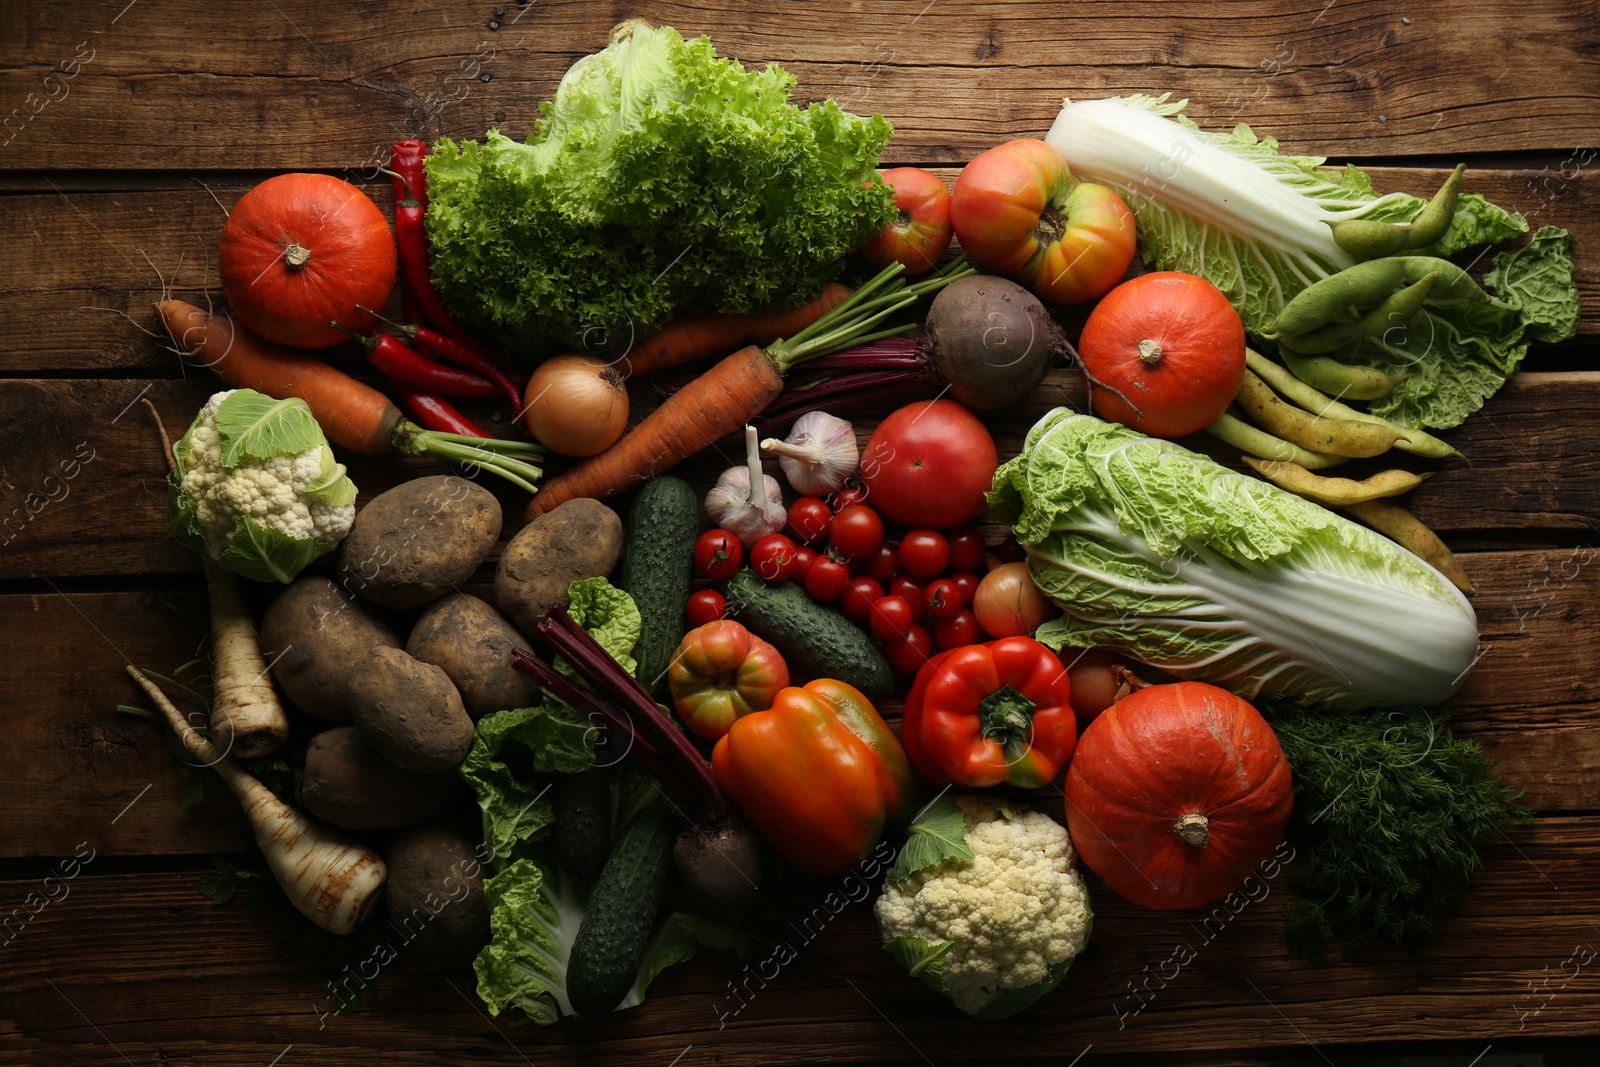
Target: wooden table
131,126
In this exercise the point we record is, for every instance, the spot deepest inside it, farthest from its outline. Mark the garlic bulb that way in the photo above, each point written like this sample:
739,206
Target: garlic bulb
819,454
746,502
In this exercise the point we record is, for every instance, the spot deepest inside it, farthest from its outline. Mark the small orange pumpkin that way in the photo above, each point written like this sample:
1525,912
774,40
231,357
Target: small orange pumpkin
302,250
1163,354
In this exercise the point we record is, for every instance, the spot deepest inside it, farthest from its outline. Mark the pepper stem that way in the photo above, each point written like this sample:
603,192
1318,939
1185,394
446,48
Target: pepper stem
1006,715
1193,828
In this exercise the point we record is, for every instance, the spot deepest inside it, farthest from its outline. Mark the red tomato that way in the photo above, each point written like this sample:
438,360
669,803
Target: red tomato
930,464
891,617
909,654
1019,212
717,555
809,517
856,531
706,605
967,585
857,601
883,564
850,494
966,548
942,598
826,579
906,586
772,557
920,234
802,558
959,629
924,553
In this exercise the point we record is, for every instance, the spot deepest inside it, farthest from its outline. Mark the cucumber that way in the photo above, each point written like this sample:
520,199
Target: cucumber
610,946
816,641
656,563
582,806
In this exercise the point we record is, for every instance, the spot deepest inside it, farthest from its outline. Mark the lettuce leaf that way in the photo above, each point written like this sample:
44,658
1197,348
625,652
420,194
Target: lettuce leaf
660,179
1159,553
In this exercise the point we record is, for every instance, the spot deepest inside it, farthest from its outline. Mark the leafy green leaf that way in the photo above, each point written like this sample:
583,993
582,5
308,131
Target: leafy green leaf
937,835
1537,279
509,755
265,554
675,941
610,616
534,915
254,425
332,486
924,960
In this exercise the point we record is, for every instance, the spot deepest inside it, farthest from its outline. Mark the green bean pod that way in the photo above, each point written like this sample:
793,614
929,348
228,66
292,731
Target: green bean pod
1455,286
1324,302
1339,437
1396,309
1335,492
1370,239
1247,438
1341,379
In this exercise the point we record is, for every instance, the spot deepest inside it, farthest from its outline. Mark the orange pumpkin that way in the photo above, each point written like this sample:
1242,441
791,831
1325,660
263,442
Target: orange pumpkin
302,250
1176,793
1163,354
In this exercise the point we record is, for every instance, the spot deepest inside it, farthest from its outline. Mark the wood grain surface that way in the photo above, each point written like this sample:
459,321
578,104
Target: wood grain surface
128,128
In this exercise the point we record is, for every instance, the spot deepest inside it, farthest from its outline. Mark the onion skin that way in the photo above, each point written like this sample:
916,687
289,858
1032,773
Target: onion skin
1008,604
576,405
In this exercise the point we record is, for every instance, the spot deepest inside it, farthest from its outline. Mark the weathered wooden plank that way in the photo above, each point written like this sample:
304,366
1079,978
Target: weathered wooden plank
326,85
1504,969
68,752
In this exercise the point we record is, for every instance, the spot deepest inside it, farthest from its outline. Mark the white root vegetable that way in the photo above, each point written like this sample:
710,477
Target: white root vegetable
746,502
333,880
819,454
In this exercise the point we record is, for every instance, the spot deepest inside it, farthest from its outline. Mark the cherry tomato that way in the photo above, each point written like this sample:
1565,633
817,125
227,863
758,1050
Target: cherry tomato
967,585
706,605
803,557
717,555
850,495
958,630
921,232
909,654
772,557
857,530
883,563
966,548
942,598
906,586
891,617
826,579
809,517
924,553
858,598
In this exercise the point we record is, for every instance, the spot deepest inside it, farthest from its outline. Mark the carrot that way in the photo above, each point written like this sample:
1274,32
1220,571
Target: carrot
333,881
353,415
702,336
736,390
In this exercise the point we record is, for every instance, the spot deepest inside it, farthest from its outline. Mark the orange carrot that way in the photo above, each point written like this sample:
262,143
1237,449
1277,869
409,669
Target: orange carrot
353,415
707,409
702,336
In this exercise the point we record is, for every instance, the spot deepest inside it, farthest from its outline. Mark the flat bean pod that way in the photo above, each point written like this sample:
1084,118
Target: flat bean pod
1404,528
1324,302
1335,492
1394,310
1328,375
1455,286
1339,437
1247,438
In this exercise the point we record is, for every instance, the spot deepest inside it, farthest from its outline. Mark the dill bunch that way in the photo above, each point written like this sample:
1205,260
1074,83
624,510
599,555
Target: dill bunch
1390,810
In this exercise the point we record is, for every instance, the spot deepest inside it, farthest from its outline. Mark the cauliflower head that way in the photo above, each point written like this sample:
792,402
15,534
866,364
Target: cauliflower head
256,487
996,929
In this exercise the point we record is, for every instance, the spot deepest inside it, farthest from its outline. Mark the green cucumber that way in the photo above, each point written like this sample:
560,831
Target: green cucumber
816,641
657,559
581,804
611,942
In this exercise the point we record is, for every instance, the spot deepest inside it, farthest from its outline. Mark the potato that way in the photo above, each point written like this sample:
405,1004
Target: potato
409,712
350,785
580,539
311,635
472,642
412,544
435,888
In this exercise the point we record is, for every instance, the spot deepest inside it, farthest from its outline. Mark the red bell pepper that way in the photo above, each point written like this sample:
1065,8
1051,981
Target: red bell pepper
819,775
981,715
721,673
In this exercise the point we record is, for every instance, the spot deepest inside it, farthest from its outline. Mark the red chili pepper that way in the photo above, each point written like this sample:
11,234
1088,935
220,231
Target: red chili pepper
412,240
435,414
466,353
405,162
405,367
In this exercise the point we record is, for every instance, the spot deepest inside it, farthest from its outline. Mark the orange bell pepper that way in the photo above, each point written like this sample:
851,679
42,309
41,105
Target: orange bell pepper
819,775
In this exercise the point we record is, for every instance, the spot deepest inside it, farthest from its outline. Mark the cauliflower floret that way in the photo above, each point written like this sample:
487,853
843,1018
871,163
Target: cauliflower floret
272,491
1017,910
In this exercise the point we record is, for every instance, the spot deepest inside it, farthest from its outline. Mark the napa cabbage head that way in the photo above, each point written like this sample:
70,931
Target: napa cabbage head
1172,559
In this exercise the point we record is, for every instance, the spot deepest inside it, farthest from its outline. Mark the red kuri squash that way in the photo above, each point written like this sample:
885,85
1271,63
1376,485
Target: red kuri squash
1175,793
1163,354
301,250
